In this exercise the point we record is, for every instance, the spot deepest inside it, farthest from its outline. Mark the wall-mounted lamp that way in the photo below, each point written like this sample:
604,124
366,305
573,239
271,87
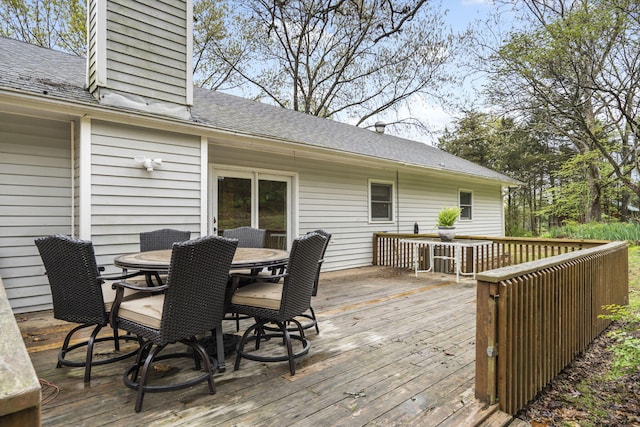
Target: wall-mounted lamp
148,163
379,127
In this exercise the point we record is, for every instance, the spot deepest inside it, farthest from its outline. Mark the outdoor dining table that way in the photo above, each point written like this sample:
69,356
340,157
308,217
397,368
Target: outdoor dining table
244,258
254,259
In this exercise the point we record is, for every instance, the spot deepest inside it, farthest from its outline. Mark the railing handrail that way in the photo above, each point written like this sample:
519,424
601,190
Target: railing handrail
511,271
550,240
20,391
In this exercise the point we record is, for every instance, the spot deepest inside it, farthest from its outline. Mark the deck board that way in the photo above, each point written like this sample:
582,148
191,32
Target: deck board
393,349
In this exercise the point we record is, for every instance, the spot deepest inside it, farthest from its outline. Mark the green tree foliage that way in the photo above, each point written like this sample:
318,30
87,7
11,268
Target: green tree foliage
521,151
576,63
344,59
56,24
214,55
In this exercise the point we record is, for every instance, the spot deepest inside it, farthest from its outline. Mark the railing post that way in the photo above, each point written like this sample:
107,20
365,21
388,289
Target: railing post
375,248
486,342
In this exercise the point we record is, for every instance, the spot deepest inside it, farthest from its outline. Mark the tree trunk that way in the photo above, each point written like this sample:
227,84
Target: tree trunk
594,210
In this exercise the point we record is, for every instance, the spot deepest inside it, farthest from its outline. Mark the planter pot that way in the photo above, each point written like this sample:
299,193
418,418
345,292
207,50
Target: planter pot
446,233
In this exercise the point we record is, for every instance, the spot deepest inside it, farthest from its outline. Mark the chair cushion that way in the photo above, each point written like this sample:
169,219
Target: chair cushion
259,294
145,311
109,294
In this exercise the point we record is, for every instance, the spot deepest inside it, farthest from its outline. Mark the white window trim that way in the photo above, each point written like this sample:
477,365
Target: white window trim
462,190
393,201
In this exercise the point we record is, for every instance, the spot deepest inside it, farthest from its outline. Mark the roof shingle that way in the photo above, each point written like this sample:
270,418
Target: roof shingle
61,76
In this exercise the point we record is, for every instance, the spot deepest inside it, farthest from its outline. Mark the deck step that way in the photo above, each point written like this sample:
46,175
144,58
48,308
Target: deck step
517,422
502,419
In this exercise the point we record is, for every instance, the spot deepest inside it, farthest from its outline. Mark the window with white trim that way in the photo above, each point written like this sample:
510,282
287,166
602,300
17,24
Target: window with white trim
380,201
466,204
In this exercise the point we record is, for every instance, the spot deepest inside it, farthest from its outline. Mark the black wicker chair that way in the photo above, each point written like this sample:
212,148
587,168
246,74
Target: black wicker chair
81,295
160,239
192,303
248,237
311,315
280,304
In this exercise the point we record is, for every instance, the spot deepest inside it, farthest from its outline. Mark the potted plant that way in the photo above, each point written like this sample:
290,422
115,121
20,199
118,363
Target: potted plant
447,218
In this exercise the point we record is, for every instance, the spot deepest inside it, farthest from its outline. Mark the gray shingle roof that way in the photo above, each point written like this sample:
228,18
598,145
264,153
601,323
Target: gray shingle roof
61,76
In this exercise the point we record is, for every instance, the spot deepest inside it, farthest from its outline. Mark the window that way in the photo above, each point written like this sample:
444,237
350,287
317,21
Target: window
381,201
466,198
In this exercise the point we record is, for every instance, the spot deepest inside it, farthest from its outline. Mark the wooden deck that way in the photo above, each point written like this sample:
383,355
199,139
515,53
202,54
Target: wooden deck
393,350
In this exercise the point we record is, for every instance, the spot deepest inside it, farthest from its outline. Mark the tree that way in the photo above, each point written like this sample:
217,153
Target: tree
579,65
56,24
523,151
347,59
214,54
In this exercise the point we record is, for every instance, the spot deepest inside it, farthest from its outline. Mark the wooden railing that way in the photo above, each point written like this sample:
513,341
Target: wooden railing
534,318
504,251
19,385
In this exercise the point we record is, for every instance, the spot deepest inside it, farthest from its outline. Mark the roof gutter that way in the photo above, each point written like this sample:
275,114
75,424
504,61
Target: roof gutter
30,101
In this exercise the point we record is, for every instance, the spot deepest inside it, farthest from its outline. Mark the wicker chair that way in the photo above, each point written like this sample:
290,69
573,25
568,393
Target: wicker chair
192,303
279,304
160,239
311,315
80,295
248,237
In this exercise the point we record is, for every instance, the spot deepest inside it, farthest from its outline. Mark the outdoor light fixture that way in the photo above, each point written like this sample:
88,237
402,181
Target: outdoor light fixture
148,163
379,126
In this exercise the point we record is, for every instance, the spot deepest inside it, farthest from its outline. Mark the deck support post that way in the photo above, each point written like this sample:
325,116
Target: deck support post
486,342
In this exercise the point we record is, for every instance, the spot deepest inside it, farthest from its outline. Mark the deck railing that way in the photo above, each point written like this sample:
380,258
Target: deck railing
534,318
539,302
504,251
20,393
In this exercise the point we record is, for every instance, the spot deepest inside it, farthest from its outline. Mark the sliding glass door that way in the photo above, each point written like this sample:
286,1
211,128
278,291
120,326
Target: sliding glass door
261,200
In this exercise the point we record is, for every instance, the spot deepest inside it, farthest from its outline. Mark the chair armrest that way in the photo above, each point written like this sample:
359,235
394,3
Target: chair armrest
120,287
120,276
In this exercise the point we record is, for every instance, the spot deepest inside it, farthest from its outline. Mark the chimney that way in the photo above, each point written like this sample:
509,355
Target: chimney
140,55
379,127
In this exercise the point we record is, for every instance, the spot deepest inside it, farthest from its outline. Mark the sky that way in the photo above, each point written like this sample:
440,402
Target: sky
460,14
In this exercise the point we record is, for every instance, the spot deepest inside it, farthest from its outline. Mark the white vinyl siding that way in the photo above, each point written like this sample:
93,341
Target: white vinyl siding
421,196
35,201
335,196
127,199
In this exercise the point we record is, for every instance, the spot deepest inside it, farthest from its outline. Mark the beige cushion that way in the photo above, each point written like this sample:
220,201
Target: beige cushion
146,311
243,272
109,294
259,294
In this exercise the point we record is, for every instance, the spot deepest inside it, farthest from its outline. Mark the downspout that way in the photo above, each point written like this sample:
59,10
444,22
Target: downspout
73,180
397,201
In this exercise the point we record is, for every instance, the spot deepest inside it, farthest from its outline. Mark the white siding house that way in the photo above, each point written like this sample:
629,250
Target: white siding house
71,131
